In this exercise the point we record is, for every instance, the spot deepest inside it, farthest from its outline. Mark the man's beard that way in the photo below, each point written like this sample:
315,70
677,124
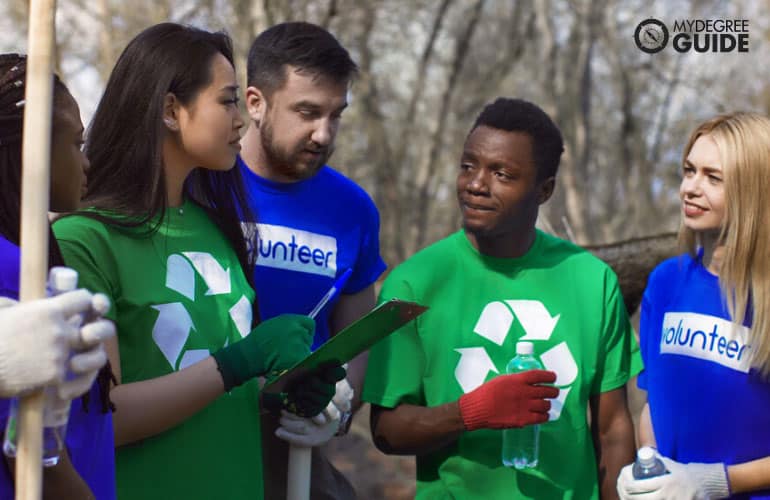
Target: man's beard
290,163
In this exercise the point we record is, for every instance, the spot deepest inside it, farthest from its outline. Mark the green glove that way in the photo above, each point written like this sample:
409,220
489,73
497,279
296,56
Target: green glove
308,395
274,345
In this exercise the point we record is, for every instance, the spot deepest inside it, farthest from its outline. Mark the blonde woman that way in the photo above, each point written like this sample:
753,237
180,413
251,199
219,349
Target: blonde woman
705,325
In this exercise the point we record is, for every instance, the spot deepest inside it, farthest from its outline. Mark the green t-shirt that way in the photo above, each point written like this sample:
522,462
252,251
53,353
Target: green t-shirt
557,295
177,296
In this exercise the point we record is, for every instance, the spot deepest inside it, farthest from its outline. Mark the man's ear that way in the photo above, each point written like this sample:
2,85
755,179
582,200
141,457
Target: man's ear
256,104
545,189
171,112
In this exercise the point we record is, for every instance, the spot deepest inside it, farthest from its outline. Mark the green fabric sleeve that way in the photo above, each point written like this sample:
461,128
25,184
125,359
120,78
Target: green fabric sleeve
84,248
397,363
620,350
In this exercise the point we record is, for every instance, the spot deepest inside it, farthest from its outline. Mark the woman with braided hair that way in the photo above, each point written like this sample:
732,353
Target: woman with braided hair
86,468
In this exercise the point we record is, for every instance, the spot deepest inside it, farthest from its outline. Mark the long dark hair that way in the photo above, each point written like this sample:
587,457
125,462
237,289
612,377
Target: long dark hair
13,73
126,180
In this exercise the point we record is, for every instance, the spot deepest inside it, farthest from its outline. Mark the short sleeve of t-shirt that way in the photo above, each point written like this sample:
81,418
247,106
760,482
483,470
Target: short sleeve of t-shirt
369,265
648,319
645,319
620,349
396,364
83,243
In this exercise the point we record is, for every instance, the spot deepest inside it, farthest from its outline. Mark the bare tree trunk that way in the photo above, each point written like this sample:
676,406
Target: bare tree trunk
106,46
160,11
574,115
419,84
250,18
548,55
426,175
386,195
331,11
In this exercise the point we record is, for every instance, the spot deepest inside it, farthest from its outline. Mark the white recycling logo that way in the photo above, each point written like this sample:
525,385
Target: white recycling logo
173,326
494,324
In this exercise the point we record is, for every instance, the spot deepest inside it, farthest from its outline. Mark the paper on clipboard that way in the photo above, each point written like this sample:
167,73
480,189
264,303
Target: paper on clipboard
354,339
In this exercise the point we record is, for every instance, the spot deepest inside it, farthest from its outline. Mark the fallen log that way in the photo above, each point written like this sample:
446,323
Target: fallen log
633,260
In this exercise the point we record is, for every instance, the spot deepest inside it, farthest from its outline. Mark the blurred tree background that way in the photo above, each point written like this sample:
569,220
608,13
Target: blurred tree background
427,68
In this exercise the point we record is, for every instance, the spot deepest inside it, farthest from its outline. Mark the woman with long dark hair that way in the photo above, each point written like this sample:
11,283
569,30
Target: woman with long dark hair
161,237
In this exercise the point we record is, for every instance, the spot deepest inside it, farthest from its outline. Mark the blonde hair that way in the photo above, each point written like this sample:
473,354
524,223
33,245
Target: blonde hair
743,140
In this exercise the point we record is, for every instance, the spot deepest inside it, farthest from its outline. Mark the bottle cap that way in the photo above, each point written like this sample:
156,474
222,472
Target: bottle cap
525,348
645,454
62,279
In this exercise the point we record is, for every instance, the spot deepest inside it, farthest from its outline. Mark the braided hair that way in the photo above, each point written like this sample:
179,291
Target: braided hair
13,71
12,74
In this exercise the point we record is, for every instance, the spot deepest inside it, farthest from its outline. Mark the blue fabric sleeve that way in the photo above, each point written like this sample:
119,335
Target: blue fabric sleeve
369,265
648,319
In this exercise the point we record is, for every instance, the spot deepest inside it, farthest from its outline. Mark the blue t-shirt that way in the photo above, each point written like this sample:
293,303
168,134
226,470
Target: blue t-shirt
707,405
90,438
310,232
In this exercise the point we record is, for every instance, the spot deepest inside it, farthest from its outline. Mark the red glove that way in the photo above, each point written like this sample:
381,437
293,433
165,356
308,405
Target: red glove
509,401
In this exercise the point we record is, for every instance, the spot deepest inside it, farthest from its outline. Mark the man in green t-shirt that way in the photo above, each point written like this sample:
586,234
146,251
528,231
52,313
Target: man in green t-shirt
438,386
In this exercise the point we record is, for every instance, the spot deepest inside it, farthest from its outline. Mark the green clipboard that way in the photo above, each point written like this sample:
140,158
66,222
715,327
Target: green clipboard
354,339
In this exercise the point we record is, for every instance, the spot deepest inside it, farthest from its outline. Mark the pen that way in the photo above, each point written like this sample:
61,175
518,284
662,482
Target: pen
333,291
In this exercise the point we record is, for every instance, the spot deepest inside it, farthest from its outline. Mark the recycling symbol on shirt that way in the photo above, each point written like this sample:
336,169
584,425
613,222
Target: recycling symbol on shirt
174,324
494,324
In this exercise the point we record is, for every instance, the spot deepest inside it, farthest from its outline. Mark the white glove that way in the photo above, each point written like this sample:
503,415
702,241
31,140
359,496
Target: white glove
84,368
340,403
692,481
305,432
316,431
35,340
89,355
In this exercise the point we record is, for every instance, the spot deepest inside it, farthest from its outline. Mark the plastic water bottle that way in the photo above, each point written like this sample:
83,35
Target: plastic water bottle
647,464
521,446
55,410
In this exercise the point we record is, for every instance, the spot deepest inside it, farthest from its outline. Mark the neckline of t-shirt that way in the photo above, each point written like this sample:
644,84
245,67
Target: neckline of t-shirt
275,186
701,268
500,262
187,204
181,210
173,217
